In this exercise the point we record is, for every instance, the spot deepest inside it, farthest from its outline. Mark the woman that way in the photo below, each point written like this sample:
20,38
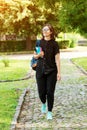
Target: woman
48,69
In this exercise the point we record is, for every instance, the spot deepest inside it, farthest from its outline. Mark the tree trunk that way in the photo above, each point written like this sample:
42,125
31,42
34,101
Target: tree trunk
28,43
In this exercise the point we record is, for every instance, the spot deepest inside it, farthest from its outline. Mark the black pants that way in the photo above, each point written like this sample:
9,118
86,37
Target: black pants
46,88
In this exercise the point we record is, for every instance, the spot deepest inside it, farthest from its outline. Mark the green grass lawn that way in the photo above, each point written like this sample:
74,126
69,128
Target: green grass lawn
82,62
10,91
16,69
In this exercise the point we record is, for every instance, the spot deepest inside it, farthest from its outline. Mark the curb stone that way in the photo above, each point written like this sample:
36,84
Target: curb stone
18,109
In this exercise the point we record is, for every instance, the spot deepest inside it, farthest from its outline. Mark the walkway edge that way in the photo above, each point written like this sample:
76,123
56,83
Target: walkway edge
18,109
81,69
25,78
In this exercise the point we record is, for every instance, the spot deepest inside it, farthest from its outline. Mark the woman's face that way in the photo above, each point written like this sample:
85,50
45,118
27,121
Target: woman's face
46,31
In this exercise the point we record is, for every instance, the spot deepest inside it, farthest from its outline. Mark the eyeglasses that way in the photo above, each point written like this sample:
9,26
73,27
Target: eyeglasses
45,29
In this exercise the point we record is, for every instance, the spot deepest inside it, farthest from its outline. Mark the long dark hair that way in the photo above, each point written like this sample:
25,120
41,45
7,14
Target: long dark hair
51,29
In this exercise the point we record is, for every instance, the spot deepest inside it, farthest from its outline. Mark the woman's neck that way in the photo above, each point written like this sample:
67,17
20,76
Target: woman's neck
47,38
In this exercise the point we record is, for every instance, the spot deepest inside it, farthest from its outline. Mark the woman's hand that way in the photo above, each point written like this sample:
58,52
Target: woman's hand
58,76
41,54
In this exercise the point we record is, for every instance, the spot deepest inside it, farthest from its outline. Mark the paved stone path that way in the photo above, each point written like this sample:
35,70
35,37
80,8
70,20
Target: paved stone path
70,106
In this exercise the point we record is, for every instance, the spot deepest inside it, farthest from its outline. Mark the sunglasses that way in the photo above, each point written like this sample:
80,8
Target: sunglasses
45,29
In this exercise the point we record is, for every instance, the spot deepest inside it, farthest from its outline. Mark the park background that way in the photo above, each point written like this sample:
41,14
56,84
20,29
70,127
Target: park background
20,25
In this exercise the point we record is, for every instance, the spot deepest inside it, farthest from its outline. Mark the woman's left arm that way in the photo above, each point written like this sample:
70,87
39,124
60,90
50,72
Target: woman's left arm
57,59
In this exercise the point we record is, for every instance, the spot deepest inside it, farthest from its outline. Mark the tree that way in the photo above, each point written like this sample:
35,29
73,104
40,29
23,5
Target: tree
50,12
20,17
73,16
27,16
3,15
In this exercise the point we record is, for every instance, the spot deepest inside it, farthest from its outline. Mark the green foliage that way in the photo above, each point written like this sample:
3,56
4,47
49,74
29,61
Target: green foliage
72,16
9,46
5,61
63,44
72,37
72,43
27,17
21,17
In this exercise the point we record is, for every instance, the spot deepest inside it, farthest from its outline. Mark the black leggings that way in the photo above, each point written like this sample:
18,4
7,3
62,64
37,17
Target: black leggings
46,87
